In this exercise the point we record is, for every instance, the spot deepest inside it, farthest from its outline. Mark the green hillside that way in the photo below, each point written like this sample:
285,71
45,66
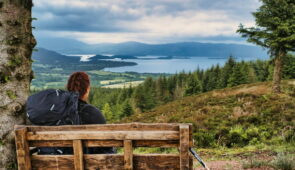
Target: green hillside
239,116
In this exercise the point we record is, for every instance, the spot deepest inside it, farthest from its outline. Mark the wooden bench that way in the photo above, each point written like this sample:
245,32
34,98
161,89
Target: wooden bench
127,136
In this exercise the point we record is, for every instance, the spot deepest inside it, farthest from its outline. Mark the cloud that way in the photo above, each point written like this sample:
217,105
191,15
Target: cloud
95,21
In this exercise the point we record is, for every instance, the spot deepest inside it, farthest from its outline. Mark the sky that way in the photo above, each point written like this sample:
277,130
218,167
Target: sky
147,21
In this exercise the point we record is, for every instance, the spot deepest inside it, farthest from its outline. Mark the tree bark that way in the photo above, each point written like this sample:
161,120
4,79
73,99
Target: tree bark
277,75
17,42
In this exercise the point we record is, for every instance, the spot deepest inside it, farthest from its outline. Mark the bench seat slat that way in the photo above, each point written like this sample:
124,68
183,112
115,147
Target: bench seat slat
107,162
111,135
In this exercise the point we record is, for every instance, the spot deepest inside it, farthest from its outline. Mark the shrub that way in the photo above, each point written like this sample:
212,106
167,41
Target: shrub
289,135
254,141
204,139
252,132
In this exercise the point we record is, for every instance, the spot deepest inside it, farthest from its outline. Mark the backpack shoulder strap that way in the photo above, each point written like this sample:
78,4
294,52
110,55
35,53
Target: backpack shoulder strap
81,109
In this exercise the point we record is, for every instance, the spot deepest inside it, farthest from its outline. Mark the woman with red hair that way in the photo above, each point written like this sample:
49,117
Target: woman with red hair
80,82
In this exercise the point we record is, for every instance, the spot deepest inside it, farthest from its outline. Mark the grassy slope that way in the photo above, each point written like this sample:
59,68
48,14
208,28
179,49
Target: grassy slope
251,107
230,103
246,106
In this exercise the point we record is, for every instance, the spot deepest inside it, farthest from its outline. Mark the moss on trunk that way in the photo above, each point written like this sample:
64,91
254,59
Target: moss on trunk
15,71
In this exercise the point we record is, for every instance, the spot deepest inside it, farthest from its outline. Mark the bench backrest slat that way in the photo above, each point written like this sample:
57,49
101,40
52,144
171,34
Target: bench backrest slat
106,143
108,127
108,162
103,135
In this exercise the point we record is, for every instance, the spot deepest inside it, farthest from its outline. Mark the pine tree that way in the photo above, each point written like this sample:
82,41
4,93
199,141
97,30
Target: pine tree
106,110
193,86
237,77
17,43
139,98
127,109
289,67
261,69
251,78
275,30
226,72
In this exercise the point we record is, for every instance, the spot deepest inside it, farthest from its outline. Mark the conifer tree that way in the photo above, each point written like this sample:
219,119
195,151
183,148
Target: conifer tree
289,67
127,109
193,86
237,77
140,98
275,30
251,76
106,110
226,72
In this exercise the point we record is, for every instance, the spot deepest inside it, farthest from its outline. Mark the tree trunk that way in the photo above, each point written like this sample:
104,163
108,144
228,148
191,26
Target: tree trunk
277,75
17,42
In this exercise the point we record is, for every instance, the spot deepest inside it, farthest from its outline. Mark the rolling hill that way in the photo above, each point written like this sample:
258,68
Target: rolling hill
239,116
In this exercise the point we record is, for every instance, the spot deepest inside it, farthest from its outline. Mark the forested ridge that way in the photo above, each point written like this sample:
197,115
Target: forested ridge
119,103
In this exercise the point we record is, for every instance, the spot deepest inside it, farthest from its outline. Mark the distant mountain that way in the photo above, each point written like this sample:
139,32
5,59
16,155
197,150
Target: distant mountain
103,57
52,58
44,56
141,49
100,57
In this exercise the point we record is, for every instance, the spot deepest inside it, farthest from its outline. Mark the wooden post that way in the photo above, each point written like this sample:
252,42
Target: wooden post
22,149
128,155
184,146
191,145
78,155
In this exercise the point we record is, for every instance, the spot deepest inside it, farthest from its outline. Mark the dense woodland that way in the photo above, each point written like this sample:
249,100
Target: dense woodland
119,103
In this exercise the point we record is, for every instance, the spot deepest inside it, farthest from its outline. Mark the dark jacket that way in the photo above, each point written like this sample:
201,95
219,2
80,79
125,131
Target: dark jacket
90,114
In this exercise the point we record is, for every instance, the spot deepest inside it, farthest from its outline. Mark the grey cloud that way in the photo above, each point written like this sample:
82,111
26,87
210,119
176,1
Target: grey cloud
105,20
108,17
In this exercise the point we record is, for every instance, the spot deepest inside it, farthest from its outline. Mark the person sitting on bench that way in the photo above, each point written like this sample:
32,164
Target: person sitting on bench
80,82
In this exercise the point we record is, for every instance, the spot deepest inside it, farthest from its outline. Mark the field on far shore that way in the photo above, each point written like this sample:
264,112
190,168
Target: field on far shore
122,85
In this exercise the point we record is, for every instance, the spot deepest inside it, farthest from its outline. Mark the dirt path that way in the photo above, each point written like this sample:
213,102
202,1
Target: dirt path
228,165
221,165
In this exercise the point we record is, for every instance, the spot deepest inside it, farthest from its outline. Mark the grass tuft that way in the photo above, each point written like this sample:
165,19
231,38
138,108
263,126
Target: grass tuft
284,162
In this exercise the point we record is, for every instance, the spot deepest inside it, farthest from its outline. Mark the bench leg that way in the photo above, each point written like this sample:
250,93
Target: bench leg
128,155
22,149
184,147
78,155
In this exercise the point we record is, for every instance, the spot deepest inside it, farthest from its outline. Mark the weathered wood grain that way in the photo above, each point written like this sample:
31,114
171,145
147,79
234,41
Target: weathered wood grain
107,162
184,147
52,162
78,155
22,149
191,140
103,135
128,155
115,135
108,127
106,143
